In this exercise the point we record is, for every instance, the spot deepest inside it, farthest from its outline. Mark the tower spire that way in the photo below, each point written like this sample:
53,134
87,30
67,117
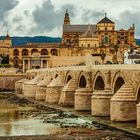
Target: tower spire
66,18
105,14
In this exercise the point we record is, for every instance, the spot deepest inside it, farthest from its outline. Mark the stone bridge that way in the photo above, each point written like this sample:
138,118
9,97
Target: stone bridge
105,90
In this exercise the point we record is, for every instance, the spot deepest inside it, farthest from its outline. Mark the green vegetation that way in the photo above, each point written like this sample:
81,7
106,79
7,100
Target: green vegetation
5,65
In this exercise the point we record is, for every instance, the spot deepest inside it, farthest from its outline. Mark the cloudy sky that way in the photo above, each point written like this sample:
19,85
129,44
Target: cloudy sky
45,17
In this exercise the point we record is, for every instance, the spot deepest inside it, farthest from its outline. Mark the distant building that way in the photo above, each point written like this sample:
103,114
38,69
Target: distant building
5,46
132,57
77,40
104,29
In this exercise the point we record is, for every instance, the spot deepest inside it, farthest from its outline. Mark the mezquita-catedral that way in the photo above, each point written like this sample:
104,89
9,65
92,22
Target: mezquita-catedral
101,40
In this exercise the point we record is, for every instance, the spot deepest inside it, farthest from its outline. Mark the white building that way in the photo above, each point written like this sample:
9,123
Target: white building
132,57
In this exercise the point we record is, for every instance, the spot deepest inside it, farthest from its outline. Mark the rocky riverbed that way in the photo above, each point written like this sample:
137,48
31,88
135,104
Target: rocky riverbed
73,126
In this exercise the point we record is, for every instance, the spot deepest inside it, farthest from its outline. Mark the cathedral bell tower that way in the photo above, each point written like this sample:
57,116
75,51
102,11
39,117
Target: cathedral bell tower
66,18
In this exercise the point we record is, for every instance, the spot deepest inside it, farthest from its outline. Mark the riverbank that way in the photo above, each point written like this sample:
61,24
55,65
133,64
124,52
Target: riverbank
74,126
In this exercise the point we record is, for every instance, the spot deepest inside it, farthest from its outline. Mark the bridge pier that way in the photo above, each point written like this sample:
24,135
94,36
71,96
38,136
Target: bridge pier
41,89
53,90
19,86
67,93
138,115
30,87
100,103
83,99
123,104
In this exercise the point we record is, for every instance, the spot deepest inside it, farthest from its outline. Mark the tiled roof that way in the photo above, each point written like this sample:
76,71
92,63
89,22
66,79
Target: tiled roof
78,28
89,33
105,20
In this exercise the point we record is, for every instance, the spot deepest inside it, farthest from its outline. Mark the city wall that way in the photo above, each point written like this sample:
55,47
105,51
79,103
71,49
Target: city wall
7,81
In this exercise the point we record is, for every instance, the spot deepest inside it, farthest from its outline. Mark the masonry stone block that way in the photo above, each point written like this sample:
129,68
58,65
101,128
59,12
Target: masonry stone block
67,93
101,103
19,86
123,104
82,101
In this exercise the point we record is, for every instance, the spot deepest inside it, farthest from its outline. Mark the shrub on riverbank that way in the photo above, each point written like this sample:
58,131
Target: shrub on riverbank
5,65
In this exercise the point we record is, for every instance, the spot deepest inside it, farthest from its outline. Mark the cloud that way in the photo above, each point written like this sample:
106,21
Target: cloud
91,16
6,6
128,18
47,18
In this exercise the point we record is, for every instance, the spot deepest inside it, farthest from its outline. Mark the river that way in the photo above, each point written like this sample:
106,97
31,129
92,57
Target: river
22,118
14,123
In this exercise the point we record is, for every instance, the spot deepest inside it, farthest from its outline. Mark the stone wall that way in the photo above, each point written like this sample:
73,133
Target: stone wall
72,60
8,70
7,82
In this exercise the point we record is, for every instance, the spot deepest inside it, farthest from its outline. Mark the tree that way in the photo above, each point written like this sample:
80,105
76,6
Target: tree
115,47
103,55
131,49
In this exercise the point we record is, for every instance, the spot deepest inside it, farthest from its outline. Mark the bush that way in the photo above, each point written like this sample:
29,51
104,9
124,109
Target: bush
5,65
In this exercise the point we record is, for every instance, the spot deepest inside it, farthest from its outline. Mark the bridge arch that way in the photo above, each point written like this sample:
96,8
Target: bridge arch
138,93
82,79
68,77
118,81
82,82
56,75
98,82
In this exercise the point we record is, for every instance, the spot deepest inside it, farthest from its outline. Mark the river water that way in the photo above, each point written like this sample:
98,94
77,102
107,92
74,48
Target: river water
16,120
14,123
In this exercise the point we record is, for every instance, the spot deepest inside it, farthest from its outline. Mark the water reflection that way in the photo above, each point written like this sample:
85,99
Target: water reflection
14,123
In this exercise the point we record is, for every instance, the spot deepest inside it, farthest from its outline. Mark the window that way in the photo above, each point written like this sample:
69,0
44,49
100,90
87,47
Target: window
88,45
16,52
44,52
54,52
34,51
24,52
105,28
106,40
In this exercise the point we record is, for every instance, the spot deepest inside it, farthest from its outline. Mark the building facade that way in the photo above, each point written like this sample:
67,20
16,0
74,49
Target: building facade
77,40
5,46
104,29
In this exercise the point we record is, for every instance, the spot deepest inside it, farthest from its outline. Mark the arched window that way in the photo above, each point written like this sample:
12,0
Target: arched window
16,52
119,82
34,51
99,84
44,52
69,78
106,40
24,52
54,52
82,83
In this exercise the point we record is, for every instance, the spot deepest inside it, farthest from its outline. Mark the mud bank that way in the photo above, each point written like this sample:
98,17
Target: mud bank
75,127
